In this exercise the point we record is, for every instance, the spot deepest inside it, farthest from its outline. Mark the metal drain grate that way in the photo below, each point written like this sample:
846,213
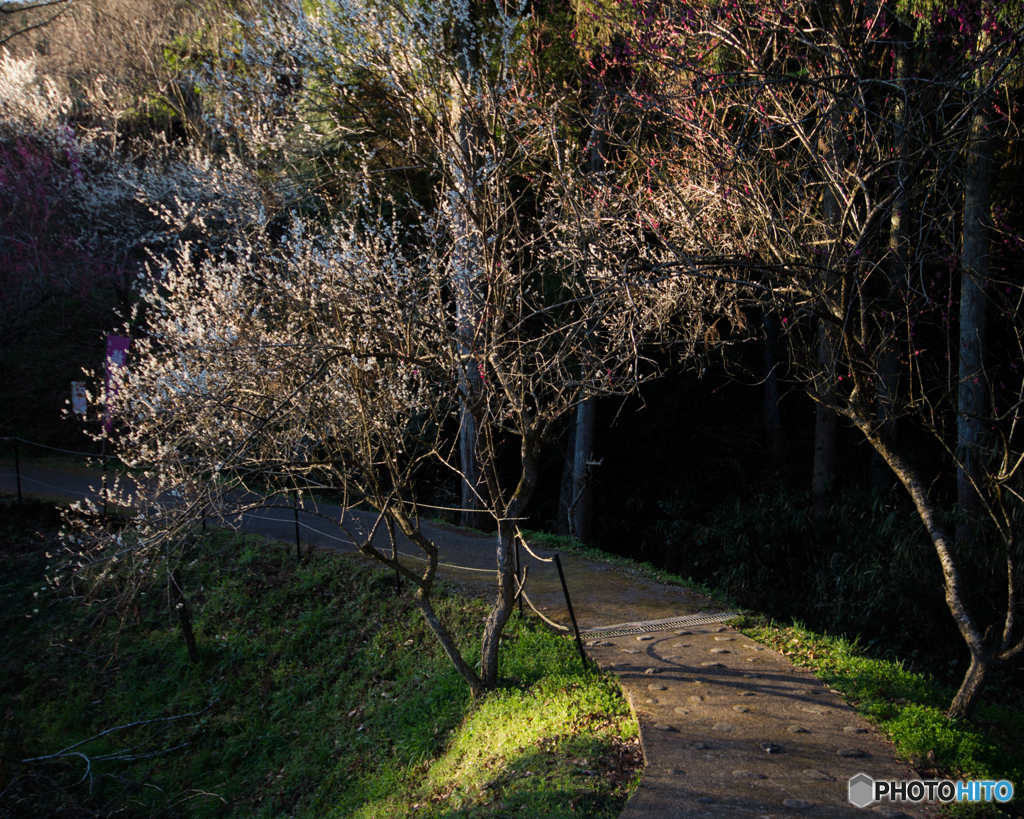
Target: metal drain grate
659,625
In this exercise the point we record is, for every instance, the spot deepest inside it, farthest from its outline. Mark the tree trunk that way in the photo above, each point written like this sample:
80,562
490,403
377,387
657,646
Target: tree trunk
467,246
579,515
969,694
396,516
503,605
442,635
880,477
473,488
982,658
971,396
565,493
505,602
772,416
826,422
580,511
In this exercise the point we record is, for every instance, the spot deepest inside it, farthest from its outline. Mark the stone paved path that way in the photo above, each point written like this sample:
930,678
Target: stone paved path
729,728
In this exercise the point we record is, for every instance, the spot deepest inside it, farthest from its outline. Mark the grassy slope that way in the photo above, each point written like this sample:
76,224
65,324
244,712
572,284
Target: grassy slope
320,692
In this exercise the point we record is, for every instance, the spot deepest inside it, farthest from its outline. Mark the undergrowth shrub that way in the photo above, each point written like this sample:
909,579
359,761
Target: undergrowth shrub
926,733
868,569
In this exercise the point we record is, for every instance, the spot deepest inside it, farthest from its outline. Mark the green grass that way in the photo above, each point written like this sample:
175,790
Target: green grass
908,708
319,694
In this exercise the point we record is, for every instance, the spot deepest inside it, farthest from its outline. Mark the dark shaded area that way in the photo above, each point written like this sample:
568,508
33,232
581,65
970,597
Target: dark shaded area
688,484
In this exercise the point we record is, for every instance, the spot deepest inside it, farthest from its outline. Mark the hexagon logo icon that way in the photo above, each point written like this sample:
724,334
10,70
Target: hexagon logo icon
862,790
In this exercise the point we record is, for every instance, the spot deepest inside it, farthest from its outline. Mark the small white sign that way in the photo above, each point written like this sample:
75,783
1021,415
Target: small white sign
78,400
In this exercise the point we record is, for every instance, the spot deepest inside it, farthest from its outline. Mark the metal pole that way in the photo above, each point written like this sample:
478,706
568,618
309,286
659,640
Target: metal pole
103,458
17,470
572,616
519,577
295,509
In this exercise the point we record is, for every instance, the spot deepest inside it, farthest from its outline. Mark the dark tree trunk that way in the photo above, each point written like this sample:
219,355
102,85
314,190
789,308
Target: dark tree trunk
772,416
826,422
579,515
881,477
972,386
580,511
565,492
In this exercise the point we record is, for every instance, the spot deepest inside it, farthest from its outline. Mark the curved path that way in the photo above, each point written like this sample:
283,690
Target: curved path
728,727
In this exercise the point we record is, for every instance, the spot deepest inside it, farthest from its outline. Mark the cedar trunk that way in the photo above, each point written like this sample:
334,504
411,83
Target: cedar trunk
971,394
565,493
580,511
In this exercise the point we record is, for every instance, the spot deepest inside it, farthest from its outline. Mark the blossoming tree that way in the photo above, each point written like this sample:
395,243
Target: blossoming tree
504,285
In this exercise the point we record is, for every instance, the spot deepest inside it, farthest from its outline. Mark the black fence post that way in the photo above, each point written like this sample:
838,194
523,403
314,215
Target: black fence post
295,510
572,615
519,577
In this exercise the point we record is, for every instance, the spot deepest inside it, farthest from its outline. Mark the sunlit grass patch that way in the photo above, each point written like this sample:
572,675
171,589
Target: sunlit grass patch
564,745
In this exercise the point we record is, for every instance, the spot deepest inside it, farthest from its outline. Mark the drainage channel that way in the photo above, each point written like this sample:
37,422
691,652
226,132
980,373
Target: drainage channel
658,625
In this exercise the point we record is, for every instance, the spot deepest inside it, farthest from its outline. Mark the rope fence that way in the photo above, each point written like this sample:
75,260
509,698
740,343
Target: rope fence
296,506
16,439
406,555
